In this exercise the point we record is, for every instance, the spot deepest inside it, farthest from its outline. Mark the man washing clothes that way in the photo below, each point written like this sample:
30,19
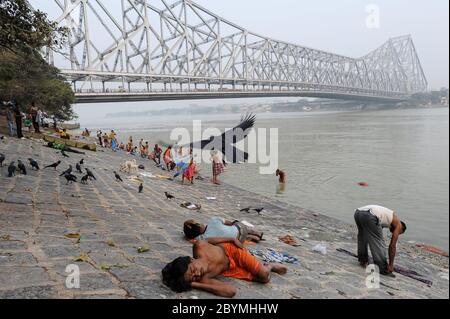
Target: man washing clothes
370,221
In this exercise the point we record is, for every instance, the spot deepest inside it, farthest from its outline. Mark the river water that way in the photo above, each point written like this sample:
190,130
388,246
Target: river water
402,154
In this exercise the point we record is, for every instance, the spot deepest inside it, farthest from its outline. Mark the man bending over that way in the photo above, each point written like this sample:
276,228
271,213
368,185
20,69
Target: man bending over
217,257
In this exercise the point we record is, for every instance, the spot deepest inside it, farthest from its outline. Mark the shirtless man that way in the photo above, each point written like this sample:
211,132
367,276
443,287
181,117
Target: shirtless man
217,257
370,221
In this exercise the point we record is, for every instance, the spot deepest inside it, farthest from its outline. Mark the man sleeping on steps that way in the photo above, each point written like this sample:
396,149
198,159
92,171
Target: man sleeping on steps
217,257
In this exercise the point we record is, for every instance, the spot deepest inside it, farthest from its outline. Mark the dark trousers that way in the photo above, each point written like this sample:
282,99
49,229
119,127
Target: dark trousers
35,123
370,234
19,126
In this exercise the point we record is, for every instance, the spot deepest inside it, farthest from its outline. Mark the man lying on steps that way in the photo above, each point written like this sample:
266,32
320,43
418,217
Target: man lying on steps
217,257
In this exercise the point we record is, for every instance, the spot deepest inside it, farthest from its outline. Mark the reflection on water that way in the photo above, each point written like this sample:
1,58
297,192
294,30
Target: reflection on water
402,154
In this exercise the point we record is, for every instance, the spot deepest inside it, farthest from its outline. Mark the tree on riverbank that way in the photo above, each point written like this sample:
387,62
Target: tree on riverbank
24,74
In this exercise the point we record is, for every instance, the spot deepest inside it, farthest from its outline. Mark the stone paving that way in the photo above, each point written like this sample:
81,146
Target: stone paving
39,210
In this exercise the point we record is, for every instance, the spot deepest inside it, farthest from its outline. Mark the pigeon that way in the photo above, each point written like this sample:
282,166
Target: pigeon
84,179
11,170
22,168
54,165
70,178
64,154
118,178
90,174
68,171
141,188
168,196
78,167
2,159
34,164
82,161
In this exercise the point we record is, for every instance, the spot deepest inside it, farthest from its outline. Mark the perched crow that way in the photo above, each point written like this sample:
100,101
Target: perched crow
11,170
82,161
54,165
141,188
68,171
168,196
70,178
90,174
118,178
34,164
258,210
2,159
78,167
22,168
84,179
64,154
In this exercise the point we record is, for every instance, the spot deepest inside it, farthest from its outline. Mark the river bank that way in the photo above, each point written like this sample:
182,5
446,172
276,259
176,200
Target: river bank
41,216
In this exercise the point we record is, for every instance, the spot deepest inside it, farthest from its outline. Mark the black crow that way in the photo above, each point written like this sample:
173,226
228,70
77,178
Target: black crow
118,178
82,161
11,170
258,210
78,167
54,165
247,210
141,188
226,142
22,168
84,179
34,164
2,159
68,171
90,174
168,196
70,178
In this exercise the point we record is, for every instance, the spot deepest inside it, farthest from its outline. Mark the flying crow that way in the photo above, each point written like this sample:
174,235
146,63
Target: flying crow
226,142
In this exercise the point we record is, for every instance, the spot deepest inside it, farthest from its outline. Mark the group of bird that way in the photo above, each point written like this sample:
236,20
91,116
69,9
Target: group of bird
67,174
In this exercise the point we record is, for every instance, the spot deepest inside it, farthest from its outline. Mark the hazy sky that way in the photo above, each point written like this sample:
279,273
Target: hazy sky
340,26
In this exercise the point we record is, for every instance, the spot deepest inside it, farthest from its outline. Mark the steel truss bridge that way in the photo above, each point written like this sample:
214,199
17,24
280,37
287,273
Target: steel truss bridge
141,50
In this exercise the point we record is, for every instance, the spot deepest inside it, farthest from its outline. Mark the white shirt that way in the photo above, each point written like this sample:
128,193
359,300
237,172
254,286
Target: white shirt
384,215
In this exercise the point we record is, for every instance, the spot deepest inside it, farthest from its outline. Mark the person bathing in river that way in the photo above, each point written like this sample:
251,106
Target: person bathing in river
282,181
370,221
218,227
217,257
